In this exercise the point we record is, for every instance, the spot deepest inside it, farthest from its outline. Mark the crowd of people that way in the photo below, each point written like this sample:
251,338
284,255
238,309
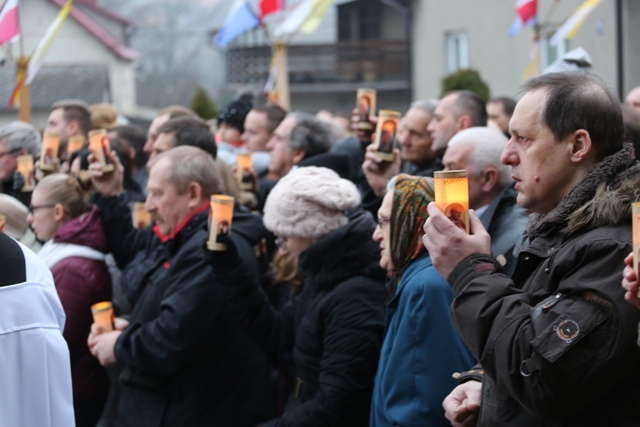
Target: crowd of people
339,294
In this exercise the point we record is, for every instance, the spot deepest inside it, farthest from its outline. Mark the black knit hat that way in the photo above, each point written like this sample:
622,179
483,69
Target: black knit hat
235,112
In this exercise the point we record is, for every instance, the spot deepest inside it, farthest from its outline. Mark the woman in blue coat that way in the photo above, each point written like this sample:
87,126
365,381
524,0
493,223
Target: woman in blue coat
421,348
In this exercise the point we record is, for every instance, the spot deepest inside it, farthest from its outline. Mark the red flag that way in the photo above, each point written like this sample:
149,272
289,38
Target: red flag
9,29
267,7
527,9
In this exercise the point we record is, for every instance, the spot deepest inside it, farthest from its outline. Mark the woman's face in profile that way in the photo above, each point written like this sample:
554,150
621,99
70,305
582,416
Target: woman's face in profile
41,216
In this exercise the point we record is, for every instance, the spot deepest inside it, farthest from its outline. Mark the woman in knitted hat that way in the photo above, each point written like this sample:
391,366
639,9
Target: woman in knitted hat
335,325
421,348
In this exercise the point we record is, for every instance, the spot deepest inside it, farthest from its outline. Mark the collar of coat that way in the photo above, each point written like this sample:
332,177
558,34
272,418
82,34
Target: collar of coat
602,198
166,237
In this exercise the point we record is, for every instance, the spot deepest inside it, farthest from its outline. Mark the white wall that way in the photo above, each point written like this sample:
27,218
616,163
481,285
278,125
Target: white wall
501,60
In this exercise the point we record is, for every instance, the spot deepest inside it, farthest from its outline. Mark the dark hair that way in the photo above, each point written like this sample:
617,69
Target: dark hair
631,120
508,104
580,101
136,139
275,115
190,131
75,109
310,135
470,104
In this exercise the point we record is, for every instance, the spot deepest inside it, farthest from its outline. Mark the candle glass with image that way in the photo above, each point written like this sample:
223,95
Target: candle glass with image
27,170
49,154
141,218
366,105
452,196
635,217
385,138
103,315
220,218
101,147
244,165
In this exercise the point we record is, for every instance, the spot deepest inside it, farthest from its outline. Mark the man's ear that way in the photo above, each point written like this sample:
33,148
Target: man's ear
73,127
581,146
195,194
490,179
297,156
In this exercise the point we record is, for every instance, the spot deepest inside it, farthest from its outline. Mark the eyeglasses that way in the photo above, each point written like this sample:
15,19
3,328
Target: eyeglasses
14,151
382,222
281,242
33,208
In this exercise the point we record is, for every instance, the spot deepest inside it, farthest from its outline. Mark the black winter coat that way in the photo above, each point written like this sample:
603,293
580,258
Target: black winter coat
334,326
557,341
186,359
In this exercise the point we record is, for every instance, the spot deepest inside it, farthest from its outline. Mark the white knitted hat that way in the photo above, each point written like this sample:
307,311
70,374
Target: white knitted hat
309,202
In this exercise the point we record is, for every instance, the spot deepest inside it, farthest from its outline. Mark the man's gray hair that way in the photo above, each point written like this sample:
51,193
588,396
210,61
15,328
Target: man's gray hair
428,106
310,135
21,135
488,144
191,164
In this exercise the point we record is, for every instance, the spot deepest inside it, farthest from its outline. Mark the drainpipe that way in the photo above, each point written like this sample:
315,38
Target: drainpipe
620,48
405,11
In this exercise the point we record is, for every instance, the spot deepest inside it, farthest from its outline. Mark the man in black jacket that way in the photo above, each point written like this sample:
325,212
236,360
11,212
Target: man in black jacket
186,361
556,340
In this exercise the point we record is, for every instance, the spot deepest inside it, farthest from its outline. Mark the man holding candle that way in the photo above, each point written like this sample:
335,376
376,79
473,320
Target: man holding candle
16,138
68,117
185,359
556,341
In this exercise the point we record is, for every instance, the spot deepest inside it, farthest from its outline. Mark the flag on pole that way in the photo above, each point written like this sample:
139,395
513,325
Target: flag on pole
35,60
240,19
527,10
9,28
267,7
305,16
526,13
570,28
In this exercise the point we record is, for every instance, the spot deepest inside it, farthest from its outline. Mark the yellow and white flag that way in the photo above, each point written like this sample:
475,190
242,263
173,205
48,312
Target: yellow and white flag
35,60
305,16
570,28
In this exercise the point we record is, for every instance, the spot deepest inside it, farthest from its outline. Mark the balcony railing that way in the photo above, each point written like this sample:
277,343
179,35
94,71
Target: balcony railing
371,62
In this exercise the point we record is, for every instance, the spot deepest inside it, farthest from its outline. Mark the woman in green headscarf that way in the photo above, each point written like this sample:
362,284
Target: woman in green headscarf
421,349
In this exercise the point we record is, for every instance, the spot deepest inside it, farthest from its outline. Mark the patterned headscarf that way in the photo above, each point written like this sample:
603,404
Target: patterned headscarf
411,195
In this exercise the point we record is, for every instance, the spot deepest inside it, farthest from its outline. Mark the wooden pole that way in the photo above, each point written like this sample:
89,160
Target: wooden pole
282,81
24,112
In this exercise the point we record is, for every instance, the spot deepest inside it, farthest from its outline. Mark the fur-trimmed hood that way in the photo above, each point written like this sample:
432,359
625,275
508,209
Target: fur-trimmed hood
602,198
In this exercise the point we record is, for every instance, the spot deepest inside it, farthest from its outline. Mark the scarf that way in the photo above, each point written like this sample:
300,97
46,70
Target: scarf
411,195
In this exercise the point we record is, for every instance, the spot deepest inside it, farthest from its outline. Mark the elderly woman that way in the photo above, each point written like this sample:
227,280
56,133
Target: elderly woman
334,326
421,349
75,249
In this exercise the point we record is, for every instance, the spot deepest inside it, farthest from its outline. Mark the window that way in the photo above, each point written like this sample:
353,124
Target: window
548,53
457,51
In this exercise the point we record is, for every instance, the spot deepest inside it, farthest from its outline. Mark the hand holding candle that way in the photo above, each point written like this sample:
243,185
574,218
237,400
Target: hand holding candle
26,169
220,218
385,138
103,315
49,154
101,147
244,164
366,106
452,196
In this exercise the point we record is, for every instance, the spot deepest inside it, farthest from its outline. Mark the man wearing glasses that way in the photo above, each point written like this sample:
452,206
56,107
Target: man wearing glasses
16,138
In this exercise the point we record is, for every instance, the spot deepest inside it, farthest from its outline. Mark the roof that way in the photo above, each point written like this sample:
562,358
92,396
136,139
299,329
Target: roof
100,32
54,82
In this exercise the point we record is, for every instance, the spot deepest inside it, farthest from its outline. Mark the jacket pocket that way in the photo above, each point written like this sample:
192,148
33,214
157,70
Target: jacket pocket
561,322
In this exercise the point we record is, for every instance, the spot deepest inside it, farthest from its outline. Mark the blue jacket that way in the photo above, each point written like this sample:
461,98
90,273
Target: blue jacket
421,351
